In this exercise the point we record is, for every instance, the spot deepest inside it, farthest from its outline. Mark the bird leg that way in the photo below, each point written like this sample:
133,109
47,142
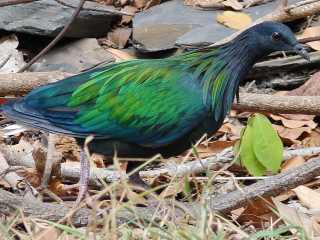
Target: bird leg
84,176
84,170
135,178
238,96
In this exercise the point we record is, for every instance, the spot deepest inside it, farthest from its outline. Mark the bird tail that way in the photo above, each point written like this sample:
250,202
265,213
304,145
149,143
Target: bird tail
27,117
46,108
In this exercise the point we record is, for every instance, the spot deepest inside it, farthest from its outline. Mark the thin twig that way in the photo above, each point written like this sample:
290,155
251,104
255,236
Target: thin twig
251,3
56,39
309,39
95,9
226,156
299,4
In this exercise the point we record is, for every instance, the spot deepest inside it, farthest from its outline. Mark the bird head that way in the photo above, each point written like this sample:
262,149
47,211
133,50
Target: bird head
274,36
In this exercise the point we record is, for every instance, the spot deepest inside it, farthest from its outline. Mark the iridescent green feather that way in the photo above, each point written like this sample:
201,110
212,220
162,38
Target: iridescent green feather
149,98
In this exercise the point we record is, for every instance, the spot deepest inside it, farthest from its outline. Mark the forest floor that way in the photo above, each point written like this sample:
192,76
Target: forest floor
204,193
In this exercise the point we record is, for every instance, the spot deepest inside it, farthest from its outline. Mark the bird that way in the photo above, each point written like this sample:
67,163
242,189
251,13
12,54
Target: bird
143,107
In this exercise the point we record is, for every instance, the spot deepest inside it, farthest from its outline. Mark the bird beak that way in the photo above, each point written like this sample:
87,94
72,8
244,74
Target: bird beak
299,49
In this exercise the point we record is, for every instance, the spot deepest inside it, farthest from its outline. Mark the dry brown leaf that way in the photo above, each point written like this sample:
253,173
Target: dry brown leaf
57,187
68,147
289,123
294,217
284,196
257,212
293,163
313,140
298,117
290,136
105,2
32,176
98,159
234,4
126,19
308,197
151,3
312,32
140,4
309,88
207,149
235,20
120,36
120,55
296,124
233,130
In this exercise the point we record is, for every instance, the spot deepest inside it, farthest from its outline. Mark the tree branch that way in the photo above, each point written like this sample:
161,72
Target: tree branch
22,83
223,203
95,9
10,202
308,105
271,186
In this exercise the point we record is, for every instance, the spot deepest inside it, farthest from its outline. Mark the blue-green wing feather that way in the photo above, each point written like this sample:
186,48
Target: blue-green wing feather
144,103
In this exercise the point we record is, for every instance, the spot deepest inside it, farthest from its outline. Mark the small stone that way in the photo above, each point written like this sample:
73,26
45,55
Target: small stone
172,24
48,17
74,57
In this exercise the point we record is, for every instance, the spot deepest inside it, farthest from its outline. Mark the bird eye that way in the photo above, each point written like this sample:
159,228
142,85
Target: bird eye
276,36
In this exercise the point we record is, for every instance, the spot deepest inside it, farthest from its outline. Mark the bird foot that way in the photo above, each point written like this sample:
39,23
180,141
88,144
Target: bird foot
136,180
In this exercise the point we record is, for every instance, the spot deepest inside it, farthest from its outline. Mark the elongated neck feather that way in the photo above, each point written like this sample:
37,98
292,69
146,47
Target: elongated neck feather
220,71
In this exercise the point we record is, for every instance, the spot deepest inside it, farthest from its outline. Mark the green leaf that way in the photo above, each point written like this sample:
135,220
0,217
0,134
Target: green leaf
247,156
267,145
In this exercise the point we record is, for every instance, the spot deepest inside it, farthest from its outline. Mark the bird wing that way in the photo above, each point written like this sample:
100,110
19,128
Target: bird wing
142,101
148,102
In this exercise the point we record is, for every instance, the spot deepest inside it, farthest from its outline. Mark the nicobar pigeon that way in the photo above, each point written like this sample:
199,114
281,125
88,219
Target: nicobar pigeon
142,107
